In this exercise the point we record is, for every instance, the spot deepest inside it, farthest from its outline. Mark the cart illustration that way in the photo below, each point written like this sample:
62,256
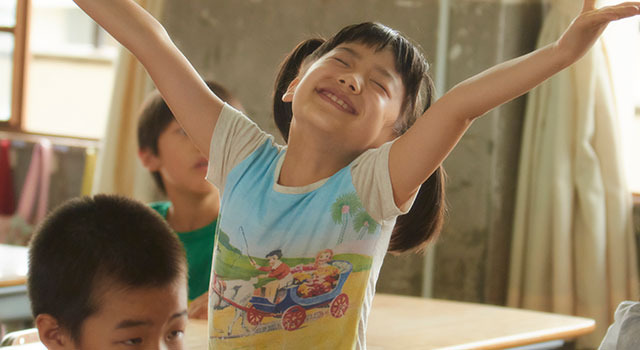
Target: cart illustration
292,308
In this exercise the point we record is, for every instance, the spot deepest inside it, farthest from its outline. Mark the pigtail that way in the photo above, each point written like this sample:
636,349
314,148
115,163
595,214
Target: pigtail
423,223
282,113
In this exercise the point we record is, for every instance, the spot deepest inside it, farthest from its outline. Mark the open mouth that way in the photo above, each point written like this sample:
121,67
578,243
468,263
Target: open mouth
339,102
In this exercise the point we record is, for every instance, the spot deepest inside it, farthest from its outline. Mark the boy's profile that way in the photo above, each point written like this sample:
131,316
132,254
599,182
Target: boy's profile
179,170
107,272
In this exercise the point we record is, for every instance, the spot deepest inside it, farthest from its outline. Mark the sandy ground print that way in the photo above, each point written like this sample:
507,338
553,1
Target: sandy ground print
316,319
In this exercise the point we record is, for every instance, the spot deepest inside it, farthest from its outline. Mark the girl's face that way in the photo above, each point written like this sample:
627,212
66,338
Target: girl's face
324,258
353,94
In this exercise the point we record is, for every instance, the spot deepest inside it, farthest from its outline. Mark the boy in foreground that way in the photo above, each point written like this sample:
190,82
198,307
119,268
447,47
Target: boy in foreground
106,272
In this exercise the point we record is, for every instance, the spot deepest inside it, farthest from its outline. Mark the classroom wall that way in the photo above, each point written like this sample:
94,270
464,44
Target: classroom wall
472,258
240,43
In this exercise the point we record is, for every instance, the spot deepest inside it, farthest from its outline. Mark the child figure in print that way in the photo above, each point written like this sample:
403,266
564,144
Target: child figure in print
317,278
276,269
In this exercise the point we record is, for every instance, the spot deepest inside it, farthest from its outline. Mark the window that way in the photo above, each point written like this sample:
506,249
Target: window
69,70
13,34
622,40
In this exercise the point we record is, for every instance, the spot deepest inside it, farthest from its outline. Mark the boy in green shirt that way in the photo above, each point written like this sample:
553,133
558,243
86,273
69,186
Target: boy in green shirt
179,170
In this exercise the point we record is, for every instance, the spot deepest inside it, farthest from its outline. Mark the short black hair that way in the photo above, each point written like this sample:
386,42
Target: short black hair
89,240
156,117
276,252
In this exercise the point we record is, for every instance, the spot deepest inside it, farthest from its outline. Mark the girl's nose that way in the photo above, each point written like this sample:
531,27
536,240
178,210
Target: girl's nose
351,83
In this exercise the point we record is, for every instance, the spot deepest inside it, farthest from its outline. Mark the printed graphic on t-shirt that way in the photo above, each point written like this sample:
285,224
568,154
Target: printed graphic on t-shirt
267,290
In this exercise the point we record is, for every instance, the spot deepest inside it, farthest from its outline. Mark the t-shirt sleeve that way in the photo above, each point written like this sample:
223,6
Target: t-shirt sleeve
372,180
234,138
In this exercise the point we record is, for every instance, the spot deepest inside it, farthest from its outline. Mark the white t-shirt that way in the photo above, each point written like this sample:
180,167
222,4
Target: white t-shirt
624,333
294,267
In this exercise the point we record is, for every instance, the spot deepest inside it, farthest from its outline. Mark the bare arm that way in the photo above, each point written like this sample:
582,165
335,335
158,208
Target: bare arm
196,108
416,154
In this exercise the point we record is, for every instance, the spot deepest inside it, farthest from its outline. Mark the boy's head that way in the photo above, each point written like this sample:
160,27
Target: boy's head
159,136
274,256
104,272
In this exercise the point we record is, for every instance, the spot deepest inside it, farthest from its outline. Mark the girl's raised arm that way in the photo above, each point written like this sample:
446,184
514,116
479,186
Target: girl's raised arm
194,105
417,153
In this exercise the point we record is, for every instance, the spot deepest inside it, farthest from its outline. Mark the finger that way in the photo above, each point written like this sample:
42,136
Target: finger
588,5
612,13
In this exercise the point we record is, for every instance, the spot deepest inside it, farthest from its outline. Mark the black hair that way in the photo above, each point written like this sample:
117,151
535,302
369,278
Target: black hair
276,252
88,241
156,117
422,224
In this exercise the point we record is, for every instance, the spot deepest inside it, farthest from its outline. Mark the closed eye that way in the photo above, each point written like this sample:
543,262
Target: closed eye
344,63
381,86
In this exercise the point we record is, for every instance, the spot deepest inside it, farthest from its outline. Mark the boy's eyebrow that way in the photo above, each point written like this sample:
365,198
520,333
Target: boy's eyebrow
179,314
357,55
133,323
136,323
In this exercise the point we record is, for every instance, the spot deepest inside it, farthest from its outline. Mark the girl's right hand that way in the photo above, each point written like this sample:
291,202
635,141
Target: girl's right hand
191,101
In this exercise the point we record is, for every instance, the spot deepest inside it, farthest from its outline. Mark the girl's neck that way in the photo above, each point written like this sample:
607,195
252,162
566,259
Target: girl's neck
191,211
310,159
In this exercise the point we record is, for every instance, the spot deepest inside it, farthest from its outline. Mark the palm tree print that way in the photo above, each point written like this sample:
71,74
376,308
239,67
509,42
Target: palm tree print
342,209
363,222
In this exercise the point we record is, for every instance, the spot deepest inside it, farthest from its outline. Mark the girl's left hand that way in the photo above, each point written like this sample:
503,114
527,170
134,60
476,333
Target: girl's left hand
198,308
589,25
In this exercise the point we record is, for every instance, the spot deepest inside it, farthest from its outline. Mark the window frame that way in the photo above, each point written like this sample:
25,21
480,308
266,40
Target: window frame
20,31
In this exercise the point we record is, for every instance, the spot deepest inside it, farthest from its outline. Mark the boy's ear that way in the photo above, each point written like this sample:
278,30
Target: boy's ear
149,160
52,335
288,95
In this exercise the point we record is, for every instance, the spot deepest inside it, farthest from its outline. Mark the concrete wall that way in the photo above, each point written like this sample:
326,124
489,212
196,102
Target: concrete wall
240,44
472,258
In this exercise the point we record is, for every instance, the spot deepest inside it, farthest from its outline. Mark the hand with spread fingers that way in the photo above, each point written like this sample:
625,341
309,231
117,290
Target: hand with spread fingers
589,25
198,308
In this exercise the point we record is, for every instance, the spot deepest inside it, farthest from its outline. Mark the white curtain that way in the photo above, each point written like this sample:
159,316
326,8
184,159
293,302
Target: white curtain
119,170
573,250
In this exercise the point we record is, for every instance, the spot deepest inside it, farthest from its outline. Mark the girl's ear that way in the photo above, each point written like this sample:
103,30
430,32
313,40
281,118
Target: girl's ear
149,159
288,95
51,334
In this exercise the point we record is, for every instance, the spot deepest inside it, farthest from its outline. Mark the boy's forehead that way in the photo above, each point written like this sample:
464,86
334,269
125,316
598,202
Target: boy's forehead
105,286
110,294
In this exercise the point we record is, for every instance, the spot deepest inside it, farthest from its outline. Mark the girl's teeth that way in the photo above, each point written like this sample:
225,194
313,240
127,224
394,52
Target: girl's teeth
338,101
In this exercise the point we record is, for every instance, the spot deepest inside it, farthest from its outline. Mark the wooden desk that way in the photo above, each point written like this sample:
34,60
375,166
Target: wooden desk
399,322
13,265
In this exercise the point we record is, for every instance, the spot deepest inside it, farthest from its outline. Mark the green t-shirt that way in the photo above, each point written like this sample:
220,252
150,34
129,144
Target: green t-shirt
199,247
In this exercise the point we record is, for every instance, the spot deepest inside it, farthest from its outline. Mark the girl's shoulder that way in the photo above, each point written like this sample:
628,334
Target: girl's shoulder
372,181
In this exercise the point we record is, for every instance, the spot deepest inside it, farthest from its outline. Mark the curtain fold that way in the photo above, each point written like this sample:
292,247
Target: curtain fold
573,250
118,169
